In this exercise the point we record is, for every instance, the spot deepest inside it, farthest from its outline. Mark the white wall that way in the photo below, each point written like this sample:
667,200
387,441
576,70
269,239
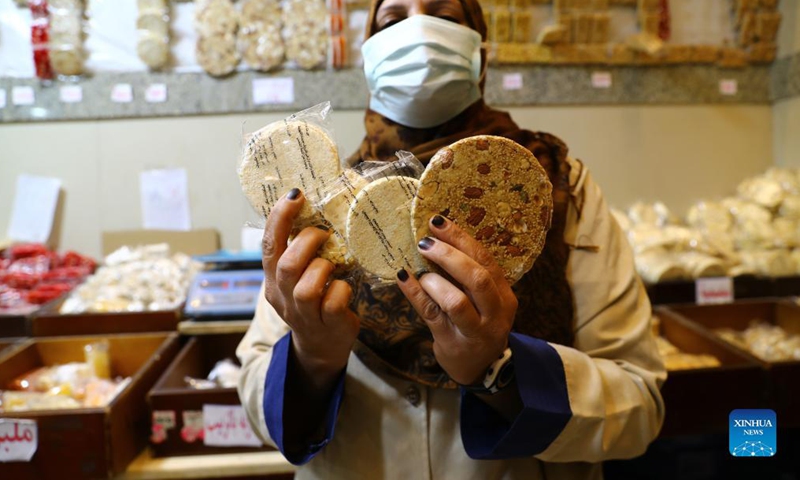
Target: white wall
673,153
786,113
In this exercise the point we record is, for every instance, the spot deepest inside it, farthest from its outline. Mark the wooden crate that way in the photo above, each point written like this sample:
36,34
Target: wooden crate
89,442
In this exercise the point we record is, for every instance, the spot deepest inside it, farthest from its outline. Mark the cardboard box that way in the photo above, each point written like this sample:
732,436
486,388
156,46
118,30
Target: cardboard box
89,442
193,242
698,401
48,322
172,398
784,387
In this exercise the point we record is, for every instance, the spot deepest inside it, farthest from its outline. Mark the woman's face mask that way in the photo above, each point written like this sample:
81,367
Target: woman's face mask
423,71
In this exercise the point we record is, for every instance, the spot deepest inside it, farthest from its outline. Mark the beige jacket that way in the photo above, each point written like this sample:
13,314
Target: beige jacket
390,428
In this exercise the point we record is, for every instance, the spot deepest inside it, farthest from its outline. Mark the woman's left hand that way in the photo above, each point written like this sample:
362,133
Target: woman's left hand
470,324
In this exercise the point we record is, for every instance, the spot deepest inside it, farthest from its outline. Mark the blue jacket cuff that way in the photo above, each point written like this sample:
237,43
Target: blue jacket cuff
274,402
542,387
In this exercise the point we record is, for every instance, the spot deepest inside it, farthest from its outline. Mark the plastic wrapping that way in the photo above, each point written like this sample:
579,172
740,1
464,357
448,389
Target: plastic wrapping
152,25
762,191
67,55
305,33
216,23
297,152
768,342
370,207
259,38
338,47
135,280
657,265
67,386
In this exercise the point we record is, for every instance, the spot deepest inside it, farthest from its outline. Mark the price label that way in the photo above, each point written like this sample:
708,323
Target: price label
23,95
2,98
19,440
512,81
715,290
226,426
601,80
156,93
728,87
271,91
122,93
71,94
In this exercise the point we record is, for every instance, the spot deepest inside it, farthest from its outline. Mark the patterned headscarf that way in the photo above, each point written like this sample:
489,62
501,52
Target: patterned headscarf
392,336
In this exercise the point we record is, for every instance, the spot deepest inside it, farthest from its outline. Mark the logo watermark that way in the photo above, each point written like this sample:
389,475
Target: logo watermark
752,433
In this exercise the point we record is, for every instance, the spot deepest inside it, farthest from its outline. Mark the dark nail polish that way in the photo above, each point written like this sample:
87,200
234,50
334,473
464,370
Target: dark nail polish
402,275
426,243
293,193
437,221
323,227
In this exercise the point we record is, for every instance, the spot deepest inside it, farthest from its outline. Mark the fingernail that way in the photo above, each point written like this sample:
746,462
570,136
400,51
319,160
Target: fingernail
323,227
438,221
402,275
293,193
426,243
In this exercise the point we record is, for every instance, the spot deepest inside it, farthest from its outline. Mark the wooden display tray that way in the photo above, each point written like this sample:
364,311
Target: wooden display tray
9,343
89,442
172,394
14,325
784,376
698,401
47,322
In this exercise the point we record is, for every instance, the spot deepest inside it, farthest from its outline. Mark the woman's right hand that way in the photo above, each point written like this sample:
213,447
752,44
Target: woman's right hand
298,286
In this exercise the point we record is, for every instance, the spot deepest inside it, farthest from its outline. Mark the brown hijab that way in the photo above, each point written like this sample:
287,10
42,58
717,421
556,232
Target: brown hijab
392,336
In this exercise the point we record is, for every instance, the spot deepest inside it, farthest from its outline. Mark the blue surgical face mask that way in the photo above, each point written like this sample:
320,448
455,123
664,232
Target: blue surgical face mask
423,71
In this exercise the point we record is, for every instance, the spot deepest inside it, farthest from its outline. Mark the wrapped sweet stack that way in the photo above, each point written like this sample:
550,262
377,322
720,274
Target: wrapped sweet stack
757,232
31,275
146,278
87,384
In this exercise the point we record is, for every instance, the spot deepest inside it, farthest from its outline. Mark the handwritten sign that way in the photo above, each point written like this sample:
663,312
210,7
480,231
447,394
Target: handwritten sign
267,91
71,94
226,426
34,209
23,95
156,93
728,87
714,290
18,440
601,80
165,199
512,81
122,93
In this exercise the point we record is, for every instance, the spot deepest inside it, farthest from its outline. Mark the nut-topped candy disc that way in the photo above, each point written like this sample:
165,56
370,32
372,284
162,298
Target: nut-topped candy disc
496,191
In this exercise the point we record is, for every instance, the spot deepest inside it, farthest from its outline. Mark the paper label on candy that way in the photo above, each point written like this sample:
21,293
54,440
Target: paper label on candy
226,426
122,93
156,93
23,95
19,440
268,91
714,290
512,81
71,94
